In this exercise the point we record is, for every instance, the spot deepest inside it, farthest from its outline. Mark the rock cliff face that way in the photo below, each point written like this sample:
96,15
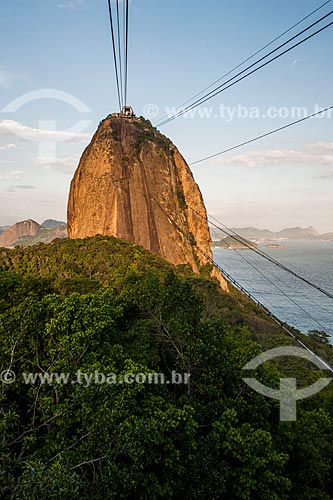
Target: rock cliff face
133,183
14,233
28,233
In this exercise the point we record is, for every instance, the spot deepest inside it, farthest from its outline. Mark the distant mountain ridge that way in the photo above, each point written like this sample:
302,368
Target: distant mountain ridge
51,223
29,232
231,243
292,233
326,236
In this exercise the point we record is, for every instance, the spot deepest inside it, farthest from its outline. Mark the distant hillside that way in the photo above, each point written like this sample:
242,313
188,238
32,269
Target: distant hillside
293,233
253,232
29,232
51,223
24,228
44,236
297,233
231,243
327,236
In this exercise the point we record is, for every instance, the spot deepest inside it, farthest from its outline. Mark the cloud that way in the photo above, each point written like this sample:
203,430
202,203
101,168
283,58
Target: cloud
6,79
8,146
12,175
14,128
73,4
76,4
312,154
324,146
66,165
327,175
15,188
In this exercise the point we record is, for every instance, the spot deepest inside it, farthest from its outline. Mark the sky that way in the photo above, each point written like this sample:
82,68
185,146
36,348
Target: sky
57,82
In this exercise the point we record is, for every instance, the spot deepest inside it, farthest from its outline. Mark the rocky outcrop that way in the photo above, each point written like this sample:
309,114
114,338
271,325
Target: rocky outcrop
45,235
20,229
235,244
28,232
133,183
3,229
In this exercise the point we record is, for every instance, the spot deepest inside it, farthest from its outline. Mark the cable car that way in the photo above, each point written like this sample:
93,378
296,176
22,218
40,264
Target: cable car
127,112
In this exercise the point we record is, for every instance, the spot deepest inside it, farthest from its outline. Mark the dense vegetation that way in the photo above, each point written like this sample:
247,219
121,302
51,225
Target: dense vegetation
102,305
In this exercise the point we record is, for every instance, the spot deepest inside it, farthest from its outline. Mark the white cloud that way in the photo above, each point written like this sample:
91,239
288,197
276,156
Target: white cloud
14,128
325,146
313,154
76,4
73,4
6,79
8,146
66,165
12,175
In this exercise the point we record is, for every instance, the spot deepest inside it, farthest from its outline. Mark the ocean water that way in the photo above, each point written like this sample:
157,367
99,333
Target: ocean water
306,309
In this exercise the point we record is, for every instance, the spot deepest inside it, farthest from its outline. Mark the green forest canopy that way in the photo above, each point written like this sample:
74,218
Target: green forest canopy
100,304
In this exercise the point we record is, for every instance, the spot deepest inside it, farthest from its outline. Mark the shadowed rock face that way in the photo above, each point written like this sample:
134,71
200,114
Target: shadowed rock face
133,183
